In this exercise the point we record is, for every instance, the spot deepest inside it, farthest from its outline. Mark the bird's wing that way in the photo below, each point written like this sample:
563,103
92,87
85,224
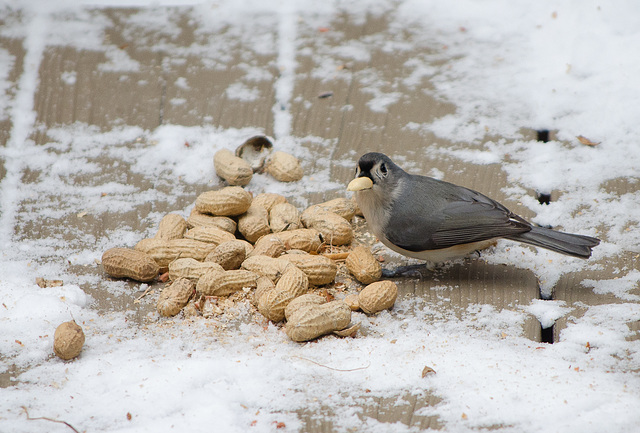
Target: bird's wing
456,222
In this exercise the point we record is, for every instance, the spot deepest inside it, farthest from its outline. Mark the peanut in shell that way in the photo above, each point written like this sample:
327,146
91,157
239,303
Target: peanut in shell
266,266
309,240
130,263
263,284
378,296
301,302
164,251
284,167
352,301
254,223
363,265
344,207
284,216
235,170
213,235
228,201
334,229
68,340
269,245
320,270
229,254
190,268
175,297
312,321
272,303
197,219
217,283
268,200
172,226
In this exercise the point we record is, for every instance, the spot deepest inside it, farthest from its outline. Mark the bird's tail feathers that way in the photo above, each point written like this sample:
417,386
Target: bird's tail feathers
560,242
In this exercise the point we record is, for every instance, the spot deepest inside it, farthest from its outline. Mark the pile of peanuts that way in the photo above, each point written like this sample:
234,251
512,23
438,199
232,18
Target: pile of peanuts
275,258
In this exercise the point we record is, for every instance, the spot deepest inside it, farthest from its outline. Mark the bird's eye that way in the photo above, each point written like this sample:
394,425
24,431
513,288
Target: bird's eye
383,169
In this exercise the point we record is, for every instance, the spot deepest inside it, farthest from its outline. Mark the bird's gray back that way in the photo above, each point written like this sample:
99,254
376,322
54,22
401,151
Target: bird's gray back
432,214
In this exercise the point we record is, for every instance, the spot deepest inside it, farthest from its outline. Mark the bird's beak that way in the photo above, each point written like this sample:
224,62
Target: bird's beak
360,183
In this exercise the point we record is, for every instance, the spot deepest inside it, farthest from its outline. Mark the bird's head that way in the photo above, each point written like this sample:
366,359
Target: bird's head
375,171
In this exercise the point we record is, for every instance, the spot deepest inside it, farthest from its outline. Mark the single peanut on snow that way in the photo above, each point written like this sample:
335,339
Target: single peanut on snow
310,320
228,201
68,340
284,167
378,296
128,263
172,226
292,284
174,297
363,265
235,170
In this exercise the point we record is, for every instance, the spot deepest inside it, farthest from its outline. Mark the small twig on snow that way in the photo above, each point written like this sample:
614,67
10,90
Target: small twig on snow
29,418
331,368
146,292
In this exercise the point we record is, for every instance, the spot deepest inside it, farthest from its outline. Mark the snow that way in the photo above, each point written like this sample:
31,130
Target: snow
566,66
547,312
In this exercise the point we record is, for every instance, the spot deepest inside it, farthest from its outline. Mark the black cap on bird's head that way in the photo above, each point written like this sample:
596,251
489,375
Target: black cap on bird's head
373,168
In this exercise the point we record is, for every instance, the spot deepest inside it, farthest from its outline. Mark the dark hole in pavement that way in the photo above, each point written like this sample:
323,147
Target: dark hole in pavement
543,135
543,197
546,336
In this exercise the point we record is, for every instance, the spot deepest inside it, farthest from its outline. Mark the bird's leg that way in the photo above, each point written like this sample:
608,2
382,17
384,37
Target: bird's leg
415,271
473,256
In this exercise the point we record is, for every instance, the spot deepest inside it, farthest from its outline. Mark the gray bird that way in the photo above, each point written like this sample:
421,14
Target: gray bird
432,220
